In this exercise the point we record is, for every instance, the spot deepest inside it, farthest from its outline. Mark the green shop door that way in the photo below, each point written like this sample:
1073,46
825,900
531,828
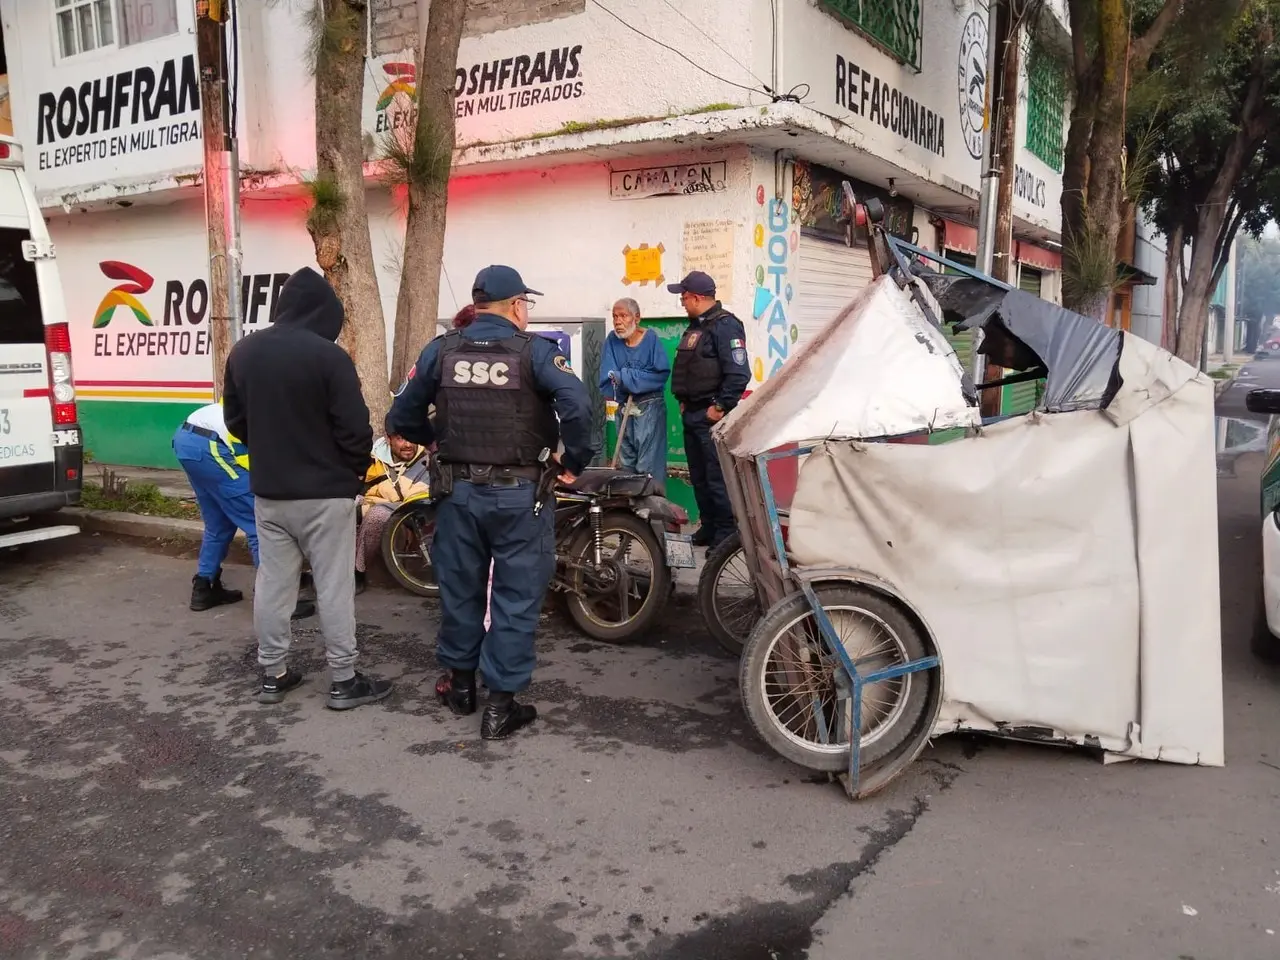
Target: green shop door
669,331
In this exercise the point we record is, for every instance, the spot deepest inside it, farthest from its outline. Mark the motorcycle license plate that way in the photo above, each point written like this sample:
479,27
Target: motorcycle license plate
680,551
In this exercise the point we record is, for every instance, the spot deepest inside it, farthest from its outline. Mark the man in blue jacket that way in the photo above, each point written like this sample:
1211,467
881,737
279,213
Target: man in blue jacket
634,370
498,392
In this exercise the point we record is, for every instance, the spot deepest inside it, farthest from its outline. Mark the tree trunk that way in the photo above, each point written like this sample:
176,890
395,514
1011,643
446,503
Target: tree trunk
339,220
1093,178
427,182
1172,289
1215,227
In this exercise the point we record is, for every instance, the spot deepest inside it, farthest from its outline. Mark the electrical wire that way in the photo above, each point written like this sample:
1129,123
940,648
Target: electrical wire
712,39
693,63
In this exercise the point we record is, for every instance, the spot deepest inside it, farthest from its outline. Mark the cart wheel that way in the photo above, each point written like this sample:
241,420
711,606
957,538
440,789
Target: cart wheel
727,596
788,677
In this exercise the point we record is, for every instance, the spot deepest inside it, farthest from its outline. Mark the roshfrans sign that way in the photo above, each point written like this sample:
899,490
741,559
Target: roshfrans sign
119,114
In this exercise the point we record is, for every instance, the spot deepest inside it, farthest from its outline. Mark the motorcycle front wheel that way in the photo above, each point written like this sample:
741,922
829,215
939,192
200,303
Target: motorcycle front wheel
406,548
626,593
727,596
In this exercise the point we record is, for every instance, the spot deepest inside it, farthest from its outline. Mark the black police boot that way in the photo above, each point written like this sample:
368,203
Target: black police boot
274,688
457,691
304,609
207,594
358,691
503,716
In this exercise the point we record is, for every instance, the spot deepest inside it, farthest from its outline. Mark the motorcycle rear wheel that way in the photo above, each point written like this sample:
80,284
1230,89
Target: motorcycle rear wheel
406,548
627,529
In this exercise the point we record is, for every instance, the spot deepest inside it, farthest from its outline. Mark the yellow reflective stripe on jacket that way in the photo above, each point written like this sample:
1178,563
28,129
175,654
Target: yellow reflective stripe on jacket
238,449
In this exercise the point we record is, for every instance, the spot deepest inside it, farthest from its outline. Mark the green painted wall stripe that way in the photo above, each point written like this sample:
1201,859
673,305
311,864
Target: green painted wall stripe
135,434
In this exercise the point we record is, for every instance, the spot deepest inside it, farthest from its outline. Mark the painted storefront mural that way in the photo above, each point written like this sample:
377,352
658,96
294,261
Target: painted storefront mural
818,205
776,241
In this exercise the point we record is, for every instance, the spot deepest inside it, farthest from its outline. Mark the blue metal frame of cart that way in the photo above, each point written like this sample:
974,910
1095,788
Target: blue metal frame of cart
849,680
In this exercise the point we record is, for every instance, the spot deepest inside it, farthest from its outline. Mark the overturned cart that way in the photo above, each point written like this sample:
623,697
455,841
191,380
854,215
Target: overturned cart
1051,576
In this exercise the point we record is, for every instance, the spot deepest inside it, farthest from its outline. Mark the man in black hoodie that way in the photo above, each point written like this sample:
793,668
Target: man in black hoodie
293,396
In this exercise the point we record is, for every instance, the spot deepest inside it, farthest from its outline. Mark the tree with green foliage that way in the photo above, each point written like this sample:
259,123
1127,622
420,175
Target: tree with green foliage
1115,44
1258,270
1215,124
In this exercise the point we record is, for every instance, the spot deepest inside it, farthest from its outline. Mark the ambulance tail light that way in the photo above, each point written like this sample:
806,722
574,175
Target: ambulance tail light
62,390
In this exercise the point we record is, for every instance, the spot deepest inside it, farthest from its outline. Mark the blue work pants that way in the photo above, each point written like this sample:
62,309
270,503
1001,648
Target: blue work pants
222,490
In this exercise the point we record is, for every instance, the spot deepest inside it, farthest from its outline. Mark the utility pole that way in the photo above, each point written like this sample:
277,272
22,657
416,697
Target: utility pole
221,184
1006,144
999,141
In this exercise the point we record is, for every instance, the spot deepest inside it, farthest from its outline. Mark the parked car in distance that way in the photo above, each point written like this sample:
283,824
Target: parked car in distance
1266,632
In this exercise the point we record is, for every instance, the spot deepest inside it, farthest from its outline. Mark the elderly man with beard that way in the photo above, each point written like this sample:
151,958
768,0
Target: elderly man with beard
633,371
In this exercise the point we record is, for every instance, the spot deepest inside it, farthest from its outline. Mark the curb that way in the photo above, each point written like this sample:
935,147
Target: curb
142,527
172,529
1222,386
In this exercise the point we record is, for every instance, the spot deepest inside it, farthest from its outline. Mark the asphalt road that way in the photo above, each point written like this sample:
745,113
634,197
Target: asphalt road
150,809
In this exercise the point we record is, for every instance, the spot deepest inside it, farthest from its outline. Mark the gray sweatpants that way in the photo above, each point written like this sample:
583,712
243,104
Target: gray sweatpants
324,532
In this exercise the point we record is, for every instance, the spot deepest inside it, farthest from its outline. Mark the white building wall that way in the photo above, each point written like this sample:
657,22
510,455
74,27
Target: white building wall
561,227
842,74
1147,314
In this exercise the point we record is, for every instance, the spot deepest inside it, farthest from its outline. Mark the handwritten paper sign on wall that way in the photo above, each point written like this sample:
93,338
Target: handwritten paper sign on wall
708,246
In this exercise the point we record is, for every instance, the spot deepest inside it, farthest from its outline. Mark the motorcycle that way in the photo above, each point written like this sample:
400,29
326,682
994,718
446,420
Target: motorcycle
617,543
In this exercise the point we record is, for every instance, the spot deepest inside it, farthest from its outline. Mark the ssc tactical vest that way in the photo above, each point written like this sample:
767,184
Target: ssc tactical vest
488,409
695,375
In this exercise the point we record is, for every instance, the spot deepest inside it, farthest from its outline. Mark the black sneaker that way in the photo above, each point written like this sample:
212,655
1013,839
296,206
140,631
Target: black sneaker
457,691
207,594
500,720
702,538
274,688
304,609
358,691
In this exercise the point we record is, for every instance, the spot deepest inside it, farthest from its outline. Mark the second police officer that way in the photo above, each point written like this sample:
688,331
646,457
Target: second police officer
708,377
498,392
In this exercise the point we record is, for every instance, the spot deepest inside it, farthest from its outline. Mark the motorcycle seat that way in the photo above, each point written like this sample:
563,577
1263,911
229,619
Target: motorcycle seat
613,483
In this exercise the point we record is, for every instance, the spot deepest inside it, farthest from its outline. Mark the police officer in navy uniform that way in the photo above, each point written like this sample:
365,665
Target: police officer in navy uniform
498,392
708,378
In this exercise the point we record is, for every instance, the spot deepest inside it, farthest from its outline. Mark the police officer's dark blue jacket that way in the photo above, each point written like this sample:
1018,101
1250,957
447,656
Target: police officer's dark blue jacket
498,392
711,361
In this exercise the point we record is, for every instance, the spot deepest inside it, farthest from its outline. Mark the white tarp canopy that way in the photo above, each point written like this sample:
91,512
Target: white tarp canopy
1066,563
880,369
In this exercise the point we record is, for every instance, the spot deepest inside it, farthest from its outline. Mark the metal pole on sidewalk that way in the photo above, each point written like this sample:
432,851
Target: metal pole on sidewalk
990,173
221,184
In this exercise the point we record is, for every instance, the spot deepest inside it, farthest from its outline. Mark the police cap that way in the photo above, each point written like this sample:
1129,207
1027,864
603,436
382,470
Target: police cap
497,283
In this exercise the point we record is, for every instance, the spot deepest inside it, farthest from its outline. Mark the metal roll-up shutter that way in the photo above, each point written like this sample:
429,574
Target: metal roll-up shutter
830,275
1030,280
1022,397
962,342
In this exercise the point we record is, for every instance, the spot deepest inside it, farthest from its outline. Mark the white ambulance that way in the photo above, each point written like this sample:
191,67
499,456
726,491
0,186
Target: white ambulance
41,448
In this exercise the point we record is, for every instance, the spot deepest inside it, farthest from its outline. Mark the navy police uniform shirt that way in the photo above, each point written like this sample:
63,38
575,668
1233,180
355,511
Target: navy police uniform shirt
552,375
730,340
